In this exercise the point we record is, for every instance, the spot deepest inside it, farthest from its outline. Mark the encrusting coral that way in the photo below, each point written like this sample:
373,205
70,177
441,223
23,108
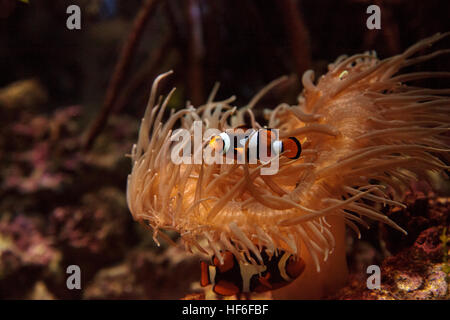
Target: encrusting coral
365,135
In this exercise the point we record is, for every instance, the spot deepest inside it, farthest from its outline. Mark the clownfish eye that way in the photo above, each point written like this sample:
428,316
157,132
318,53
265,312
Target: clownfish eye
220,143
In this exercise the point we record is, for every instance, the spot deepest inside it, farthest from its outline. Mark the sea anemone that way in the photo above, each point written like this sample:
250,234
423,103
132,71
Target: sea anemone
365,133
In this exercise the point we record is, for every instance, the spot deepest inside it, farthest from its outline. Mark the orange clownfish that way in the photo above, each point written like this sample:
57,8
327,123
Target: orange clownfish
233,277
233,143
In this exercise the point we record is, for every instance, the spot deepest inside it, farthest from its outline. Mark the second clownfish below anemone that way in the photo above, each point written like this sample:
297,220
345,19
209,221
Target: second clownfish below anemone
232,143
231,277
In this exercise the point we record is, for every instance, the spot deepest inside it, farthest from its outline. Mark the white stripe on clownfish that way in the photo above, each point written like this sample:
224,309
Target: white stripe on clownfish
282,266
212,275
247,272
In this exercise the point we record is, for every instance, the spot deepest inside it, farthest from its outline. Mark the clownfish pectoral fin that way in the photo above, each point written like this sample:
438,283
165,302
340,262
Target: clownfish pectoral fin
292,148
243,141
204,280
265,280
225,288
